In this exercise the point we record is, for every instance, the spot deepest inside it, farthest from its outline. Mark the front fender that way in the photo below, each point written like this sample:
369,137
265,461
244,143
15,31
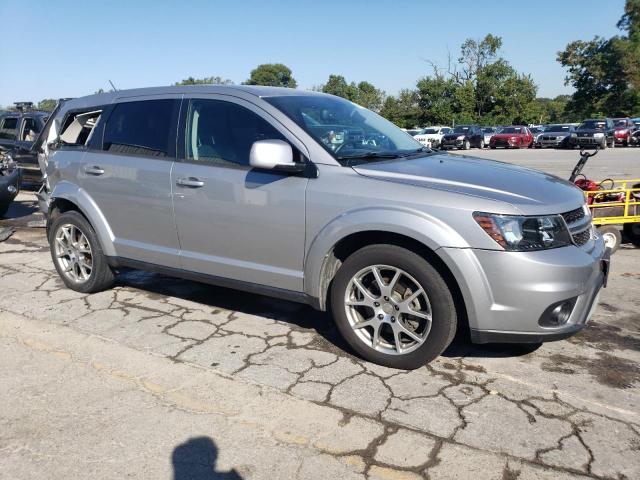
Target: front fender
414,224
79,197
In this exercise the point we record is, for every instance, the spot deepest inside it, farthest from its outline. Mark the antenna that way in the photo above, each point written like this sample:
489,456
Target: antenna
113,86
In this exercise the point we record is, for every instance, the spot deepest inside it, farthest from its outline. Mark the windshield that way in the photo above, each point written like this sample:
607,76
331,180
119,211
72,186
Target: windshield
430,131
558,128
414,132
346,130
537,129
593,125
621,123
512,130
461,129
488,130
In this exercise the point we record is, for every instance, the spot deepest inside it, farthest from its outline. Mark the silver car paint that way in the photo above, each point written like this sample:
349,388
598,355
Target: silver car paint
281,231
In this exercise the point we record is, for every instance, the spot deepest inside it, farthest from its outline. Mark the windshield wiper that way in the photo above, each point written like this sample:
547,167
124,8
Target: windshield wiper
368,156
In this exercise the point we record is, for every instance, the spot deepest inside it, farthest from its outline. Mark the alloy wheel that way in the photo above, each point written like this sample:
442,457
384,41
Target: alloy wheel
388,309
73,253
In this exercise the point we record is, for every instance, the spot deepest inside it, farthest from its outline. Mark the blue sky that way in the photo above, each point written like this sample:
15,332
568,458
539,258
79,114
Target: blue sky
74,48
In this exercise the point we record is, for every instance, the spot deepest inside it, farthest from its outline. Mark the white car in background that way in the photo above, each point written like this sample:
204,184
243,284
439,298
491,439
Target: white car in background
432,136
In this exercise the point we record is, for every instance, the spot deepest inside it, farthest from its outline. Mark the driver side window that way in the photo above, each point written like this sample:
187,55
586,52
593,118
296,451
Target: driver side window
222,132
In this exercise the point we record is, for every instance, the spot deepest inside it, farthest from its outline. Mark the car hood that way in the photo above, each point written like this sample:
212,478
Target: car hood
428,135
529,191
556,134
588,132
507,135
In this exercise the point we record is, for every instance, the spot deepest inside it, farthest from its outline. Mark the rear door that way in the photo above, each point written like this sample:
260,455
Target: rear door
234,221
127,172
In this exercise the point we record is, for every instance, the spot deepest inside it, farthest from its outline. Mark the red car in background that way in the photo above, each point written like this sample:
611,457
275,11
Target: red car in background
512,137
624,128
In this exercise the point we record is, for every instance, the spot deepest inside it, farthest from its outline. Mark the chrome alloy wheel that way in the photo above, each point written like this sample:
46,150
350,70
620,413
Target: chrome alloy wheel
73,253
388,309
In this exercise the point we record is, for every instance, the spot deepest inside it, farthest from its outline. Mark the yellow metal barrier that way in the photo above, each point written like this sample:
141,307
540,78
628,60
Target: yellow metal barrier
625,210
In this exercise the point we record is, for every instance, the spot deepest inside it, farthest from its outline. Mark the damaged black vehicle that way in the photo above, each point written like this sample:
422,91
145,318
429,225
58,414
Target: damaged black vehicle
9,182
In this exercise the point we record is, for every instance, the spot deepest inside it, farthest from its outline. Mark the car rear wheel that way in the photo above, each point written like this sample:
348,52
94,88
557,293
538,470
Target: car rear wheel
466,145
77,254
393,307
482,144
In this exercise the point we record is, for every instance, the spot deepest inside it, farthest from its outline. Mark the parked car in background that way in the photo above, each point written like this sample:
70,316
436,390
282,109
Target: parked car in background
414,131
624,128
537,131
463,137
246,187
512,137
487,133
18,131
556,136
432,136
595,132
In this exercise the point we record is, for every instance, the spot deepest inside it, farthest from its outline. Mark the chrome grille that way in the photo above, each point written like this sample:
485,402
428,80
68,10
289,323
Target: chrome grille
581,238
574,215
579,225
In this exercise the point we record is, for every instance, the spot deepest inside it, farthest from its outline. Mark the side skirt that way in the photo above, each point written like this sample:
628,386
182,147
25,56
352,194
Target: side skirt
299,297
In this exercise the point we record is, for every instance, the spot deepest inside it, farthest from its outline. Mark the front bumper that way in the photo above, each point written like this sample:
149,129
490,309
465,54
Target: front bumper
507,293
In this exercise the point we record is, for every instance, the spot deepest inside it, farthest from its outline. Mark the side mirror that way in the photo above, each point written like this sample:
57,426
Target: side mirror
273,155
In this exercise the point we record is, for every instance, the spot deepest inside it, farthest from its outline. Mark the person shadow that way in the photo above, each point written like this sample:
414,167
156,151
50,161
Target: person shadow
196,459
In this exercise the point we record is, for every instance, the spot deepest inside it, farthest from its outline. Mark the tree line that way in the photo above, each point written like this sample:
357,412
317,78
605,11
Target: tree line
480,86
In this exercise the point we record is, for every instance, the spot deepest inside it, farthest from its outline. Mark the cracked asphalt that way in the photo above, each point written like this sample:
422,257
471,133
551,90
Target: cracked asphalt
112,384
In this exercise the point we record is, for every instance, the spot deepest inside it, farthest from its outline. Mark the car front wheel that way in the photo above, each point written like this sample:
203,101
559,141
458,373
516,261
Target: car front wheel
393,307
77,254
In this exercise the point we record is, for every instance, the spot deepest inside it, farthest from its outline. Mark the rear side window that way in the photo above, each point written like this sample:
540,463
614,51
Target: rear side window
223,132
8,127
141,128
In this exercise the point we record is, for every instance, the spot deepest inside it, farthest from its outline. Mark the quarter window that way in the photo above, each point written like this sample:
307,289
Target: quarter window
141,128
8,128
222,132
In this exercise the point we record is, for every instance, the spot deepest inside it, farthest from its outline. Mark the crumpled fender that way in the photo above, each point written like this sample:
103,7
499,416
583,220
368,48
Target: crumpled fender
414,224
79,197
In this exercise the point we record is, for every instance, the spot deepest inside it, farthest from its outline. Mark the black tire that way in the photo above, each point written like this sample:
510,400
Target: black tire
611,236
443,327
466,145
604,145
482,145
632,232
4,209
101,277
493,147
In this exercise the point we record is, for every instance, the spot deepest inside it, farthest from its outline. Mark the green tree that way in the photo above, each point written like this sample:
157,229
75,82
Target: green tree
606,72
403,110
46,105
363,93
273,75
205,81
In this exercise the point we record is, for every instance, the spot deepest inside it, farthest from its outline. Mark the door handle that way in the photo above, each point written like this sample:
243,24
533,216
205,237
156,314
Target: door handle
191,182
93,170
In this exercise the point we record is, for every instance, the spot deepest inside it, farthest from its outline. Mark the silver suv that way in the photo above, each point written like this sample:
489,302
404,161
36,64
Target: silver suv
311,198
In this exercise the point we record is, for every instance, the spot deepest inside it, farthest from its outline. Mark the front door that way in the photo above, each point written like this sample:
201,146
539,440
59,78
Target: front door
234,221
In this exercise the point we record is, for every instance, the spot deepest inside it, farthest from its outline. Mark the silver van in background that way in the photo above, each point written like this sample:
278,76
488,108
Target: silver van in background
308,197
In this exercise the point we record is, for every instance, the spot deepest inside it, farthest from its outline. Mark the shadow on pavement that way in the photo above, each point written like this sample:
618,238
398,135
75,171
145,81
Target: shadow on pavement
196,459
303,316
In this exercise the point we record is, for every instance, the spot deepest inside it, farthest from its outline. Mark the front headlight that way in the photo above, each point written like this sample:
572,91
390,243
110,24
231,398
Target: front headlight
598,135
520,233
460,137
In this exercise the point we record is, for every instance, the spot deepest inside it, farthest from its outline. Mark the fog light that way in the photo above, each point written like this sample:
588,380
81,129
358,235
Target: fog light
11,189
557,314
